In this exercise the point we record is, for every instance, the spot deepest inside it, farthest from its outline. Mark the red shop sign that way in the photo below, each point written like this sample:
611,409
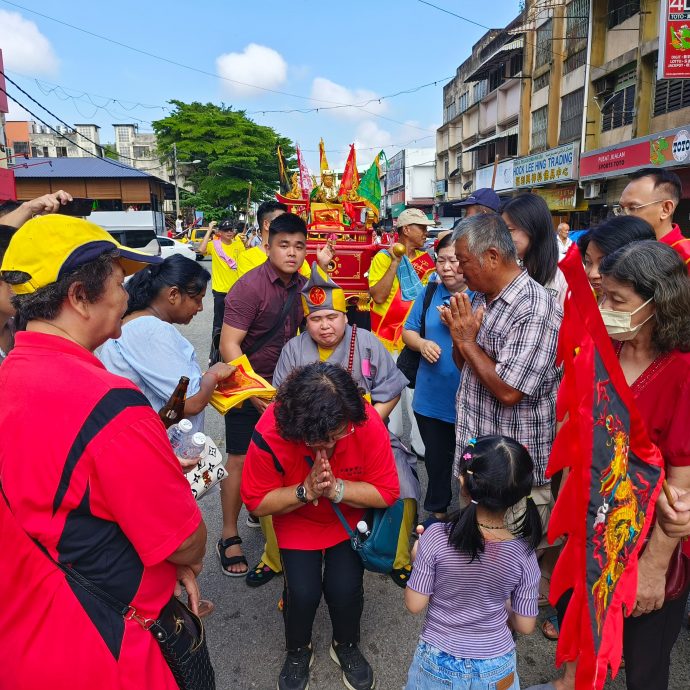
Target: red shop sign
674,39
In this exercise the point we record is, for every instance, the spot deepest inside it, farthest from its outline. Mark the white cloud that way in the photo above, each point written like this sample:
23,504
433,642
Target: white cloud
369,140
325,93
256,65
17,112
24,48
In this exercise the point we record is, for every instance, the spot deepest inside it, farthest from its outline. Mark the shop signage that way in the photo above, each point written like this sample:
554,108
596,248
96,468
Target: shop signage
397,209
661,150
553,165
440,187
674,40
504,176
395,175
562,198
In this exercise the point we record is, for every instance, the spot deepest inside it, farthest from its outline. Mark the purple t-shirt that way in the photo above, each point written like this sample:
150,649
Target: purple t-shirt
467,616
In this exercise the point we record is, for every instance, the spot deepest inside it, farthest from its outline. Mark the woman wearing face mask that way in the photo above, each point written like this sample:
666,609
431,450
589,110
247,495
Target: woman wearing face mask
438,378
606,238
646,309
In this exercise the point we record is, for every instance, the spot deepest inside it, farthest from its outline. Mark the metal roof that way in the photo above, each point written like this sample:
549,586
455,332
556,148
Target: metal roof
511,131
492,62
77,167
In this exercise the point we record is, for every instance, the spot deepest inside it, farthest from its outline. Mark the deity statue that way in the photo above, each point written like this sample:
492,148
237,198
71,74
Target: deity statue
326,191
296,191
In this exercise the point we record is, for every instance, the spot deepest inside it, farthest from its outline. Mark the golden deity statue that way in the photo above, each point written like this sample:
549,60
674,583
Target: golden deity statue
296,191
326,191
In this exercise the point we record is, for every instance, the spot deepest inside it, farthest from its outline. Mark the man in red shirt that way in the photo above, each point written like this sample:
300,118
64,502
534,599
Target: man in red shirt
100,491
320,443
653,194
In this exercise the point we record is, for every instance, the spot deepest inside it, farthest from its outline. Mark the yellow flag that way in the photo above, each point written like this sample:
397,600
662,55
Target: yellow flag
322,157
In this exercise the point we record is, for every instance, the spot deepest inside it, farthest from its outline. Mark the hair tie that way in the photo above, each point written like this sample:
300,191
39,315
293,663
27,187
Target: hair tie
472,442
467,456
475,502
469,472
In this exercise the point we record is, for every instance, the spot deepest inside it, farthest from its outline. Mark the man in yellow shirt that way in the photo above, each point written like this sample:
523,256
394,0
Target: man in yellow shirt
394,283
225,250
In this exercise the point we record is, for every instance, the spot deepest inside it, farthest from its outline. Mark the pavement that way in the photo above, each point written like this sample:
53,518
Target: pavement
245,632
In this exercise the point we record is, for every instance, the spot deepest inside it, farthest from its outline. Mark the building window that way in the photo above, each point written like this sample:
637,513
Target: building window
446,169
490,152
458,162
479,90
61,151
141,151
515,66
669,95
620,106
450,111
540,120
21,148
542,81
34,152
495,79
544,40
620,10
572,62
571,116
577,20
512,145
464,101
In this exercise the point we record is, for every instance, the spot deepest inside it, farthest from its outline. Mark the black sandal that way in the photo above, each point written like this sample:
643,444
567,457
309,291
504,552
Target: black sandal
260,575
226,561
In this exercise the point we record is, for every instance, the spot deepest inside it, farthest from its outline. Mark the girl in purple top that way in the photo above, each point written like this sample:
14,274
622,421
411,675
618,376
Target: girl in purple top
478,575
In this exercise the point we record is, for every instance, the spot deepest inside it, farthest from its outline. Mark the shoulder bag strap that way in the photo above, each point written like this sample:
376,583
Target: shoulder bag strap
351,354
428,296
268,337
337,510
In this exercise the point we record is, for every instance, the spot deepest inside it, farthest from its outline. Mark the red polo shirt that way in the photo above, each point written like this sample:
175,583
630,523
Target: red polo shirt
680,243
272,462
87,470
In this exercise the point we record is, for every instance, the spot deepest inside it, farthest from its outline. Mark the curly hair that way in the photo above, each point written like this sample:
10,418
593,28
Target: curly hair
655,271
316,400
46,303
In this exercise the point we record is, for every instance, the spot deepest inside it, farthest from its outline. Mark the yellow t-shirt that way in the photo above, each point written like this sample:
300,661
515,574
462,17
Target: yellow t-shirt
378,268
222,276
255,256
324,353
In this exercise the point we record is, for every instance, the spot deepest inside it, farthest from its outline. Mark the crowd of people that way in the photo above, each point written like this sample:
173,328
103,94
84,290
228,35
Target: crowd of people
463,344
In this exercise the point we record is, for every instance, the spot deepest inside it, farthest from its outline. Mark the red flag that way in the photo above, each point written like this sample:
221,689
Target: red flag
349,183
306,181
605,505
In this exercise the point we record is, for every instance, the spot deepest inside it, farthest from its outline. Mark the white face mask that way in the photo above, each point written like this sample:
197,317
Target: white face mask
619,323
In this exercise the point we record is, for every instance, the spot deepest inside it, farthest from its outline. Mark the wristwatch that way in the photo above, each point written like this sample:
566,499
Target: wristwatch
301,494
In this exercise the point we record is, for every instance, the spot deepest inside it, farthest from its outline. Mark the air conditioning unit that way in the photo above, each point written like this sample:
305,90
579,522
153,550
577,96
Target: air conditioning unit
605,86
592,190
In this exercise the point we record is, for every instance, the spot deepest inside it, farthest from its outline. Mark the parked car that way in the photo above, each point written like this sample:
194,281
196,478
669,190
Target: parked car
196,237
145,240
170,247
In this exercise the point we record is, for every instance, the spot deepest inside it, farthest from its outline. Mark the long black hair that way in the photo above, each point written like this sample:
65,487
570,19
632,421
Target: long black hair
497,472
185,274
616,232
529,213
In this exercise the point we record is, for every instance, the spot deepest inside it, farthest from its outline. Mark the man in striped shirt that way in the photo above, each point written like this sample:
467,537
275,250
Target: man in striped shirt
653,194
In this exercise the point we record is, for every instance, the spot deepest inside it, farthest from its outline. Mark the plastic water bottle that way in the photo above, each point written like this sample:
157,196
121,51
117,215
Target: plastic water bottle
193,447
178,433
363,530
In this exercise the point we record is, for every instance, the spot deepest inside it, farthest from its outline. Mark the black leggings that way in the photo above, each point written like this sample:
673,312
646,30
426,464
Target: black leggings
218,311
647,643
341,583
439,442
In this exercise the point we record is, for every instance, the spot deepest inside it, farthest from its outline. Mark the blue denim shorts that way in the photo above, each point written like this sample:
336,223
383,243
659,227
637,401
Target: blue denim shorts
433,669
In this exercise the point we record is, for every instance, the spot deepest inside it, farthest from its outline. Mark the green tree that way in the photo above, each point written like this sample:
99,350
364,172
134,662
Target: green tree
109,151
233,151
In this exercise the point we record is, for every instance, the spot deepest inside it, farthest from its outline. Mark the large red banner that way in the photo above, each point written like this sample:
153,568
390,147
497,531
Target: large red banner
674,39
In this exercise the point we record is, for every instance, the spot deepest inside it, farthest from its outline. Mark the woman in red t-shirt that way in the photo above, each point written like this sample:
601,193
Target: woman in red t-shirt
646,284
320,443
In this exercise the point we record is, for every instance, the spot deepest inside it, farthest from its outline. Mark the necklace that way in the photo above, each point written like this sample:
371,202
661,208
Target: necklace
481,524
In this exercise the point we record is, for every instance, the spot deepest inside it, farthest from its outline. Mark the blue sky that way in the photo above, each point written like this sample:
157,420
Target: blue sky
316,50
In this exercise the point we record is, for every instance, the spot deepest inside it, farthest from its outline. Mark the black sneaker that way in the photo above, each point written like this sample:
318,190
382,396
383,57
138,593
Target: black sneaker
295,672
357,673
253,521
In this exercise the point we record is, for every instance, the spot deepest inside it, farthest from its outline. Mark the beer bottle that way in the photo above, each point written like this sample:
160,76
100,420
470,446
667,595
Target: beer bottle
173,411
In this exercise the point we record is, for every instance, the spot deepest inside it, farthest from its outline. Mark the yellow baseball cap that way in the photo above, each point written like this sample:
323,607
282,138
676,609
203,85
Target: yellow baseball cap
47,248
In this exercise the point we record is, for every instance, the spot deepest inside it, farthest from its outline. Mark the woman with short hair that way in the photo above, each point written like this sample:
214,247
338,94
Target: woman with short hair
320,443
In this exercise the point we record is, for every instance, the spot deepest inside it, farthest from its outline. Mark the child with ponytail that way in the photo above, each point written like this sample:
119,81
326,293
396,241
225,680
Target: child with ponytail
477,575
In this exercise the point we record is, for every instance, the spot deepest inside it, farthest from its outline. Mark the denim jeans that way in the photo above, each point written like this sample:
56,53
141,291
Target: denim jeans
433,669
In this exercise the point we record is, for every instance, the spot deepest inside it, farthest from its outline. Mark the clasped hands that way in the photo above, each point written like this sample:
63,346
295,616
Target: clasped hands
320,482
461,321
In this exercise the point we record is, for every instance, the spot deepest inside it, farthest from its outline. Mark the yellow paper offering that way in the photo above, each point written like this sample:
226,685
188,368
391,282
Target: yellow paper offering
244,383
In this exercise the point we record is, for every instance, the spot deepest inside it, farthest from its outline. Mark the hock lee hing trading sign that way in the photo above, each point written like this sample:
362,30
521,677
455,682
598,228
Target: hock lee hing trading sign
674,39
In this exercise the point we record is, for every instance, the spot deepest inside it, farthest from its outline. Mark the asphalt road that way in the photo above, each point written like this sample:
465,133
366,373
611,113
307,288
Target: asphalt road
245,632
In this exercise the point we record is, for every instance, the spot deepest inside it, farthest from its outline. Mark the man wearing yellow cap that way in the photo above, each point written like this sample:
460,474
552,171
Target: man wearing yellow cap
328,337
83,505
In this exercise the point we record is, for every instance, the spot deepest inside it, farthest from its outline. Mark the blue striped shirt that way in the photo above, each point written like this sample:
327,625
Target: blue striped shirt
467,616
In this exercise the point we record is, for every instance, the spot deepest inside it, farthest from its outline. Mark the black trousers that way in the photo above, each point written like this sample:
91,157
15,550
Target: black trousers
439,442
218,311
647,643
341,583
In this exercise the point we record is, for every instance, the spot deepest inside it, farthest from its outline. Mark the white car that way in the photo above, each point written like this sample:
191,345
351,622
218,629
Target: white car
170,247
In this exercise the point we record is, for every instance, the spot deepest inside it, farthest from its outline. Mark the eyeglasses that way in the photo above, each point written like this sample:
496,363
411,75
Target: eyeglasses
334,437
443,261
619,210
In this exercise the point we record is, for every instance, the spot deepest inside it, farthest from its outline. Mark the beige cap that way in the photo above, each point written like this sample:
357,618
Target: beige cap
413,216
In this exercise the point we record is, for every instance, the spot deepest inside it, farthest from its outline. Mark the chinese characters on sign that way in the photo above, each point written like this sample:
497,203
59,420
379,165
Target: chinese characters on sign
674,39
554,165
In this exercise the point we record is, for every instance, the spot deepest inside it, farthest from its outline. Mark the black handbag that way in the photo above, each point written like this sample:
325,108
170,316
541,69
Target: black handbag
178,631
408,360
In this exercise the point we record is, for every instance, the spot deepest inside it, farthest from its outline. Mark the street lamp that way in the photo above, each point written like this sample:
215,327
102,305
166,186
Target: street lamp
177,189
